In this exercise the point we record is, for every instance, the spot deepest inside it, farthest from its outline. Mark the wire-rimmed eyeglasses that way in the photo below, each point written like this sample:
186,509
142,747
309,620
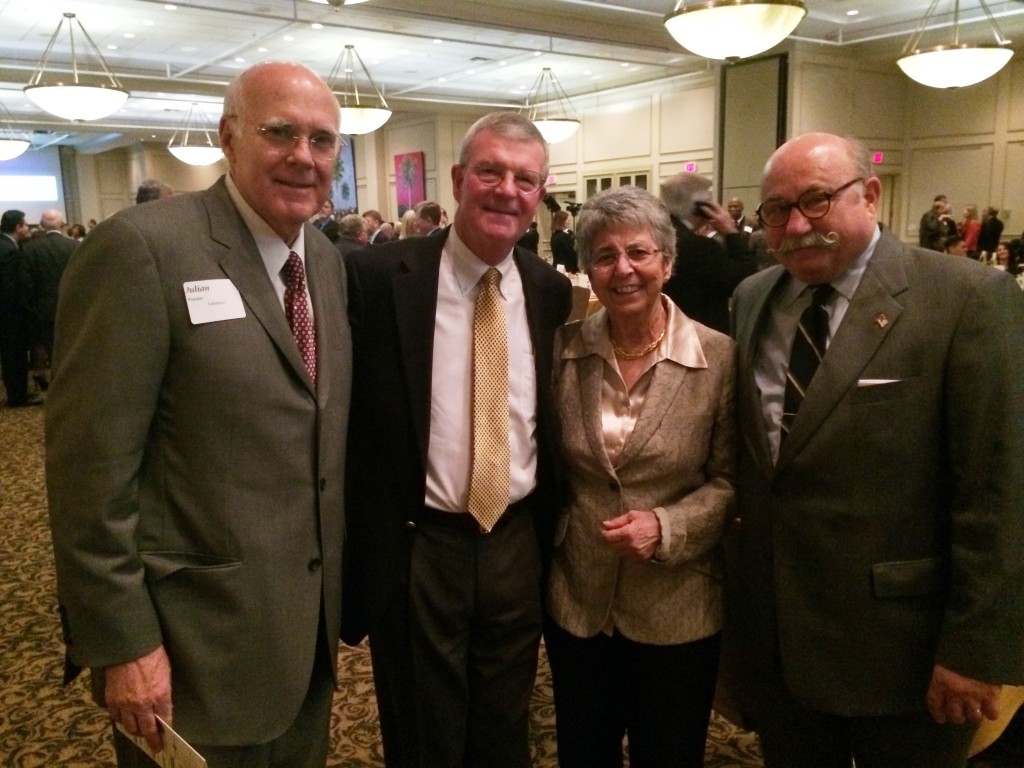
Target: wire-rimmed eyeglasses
526,182
284,137
813,204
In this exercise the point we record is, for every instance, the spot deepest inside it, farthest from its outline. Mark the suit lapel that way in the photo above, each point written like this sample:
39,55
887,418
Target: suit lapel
665,383
415,291
748,398
869,319
243,264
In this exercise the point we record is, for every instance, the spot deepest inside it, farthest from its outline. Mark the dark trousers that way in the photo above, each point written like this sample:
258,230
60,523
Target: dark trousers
797,736
303,745
14,363
607,688
455,660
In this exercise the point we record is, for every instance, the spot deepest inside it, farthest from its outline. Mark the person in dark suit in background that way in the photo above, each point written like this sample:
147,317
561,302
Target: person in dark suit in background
428,218
706,273
352,234
563,242
882,536
46,258
196,440
991,231
451,599
374,226
15,314
530,240
326,222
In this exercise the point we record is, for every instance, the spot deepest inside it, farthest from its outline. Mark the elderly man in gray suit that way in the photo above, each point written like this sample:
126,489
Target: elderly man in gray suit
196,439
881,403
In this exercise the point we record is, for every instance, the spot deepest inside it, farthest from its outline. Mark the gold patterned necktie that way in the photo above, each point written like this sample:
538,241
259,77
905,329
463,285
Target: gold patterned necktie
809,345
297,311
489,484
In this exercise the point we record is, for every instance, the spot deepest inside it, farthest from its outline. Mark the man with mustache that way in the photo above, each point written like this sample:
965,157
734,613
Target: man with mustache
880,488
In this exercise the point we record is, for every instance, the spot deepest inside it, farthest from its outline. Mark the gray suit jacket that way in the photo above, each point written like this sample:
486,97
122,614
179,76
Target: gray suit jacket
679,461
195,476
889,536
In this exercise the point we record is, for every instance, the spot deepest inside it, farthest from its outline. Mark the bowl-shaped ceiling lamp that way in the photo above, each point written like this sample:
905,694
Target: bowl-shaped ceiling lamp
548,107
192,142
13,141
958,64
733,29
363,107
75,98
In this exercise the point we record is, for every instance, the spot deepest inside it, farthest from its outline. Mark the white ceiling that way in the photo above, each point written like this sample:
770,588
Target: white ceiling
422,53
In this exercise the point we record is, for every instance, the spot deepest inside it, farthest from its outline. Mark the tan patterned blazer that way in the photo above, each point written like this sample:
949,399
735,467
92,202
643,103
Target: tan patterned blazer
678,462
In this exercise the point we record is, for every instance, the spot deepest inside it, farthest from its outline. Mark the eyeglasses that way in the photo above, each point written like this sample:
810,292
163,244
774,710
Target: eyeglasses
284,138
636,256
813,204
526,182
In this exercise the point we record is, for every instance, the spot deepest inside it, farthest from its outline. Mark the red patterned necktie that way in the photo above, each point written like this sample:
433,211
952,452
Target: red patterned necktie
297,311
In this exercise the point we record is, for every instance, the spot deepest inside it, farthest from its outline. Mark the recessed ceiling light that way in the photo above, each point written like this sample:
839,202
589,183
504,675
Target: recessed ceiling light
538,53
288,38
317,25
624,64
170,7
437,42
586,71
470,71
502,63
441,80
852,12
129,35
239,60
147,23
262,49
111,47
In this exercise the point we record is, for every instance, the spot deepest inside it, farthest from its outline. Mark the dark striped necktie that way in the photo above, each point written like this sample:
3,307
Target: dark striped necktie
808,349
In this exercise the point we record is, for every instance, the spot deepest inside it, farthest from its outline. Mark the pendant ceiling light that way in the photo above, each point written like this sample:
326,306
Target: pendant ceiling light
957,64
13,141
362,111
550,110
733,29
75,99
192,142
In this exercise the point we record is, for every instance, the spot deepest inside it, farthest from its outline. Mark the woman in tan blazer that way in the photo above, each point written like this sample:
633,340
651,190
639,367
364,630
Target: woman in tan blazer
635,596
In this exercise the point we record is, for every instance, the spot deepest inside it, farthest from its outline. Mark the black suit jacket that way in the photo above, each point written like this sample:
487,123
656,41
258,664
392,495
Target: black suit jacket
393,291
706,274
563,250
46,257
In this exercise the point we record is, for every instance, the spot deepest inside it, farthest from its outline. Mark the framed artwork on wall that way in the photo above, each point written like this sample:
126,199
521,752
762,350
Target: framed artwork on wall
410,180
343,188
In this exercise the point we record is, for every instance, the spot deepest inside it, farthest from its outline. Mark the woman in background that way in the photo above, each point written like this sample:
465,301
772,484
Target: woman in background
635,597
563,243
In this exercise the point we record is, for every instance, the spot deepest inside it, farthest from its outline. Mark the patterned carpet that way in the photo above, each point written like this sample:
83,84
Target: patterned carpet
43,725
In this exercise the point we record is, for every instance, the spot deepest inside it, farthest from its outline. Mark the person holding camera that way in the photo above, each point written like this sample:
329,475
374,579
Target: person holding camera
706,270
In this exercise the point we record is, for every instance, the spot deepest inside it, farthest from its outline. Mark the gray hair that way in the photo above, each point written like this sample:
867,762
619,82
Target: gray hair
508,125
630,207
681,191
351,225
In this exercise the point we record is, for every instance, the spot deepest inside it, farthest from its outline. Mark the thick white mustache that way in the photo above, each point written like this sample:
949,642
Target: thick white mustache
810,240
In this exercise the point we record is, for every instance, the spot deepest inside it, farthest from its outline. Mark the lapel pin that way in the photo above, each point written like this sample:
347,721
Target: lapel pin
881,320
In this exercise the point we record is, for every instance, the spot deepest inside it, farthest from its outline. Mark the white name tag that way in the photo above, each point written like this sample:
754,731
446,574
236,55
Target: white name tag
210,301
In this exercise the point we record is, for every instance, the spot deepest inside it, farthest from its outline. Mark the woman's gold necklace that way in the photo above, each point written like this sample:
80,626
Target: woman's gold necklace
626,355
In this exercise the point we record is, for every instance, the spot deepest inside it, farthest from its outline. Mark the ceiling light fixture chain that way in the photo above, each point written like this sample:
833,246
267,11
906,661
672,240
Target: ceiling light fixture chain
549,108
958,64
75,100
356,116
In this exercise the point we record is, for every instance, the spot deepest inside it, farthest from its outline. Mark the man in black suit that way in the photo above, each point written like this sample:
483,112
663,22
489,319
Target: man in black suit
326,222
453,611
46,257
706,273
14,312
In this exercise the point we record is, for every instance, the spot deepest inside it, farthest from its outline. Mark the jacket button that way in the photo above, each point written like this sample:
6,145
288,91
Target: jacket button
410,524
314,565
613,486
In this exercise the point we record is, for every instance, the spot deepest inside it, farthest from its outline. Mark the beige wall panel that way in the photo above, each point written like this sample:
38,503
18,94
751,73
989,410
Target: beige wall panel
942,113
617,129
964,174
566,152
1011,202
687,120
415,137
1015,71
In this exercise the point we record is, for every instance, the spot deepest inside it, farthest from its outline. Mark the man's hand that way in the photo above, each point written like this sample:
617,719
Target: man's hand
137,691
635,534
957,699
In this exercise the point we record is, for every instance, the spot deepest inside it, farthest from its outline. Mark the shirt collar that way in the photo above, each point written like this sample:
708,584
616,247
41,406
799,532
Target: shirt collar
468,268
272,248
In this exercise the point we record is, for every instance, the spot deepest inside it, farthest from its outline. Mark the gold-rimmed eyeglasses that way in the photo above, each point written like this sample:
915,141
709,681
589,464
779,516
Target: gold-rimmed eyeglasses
635,255
526,182
284,138
813,204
